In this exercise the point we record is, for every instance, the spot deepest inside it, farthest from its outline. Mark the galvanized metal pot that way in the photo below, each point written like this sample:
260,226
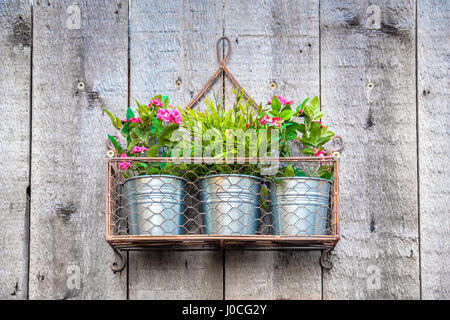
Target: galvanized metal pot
299,206
154,204
230,204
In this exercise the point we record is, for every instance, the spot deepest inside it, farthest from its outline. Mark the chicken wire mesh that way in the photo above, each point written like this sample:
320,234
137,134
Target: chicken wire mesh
151,201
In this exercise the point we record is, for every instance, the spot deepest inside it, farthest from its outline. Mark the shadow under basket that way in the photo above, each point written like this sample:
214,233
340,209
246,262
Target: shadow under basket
299,206
230,204
154,204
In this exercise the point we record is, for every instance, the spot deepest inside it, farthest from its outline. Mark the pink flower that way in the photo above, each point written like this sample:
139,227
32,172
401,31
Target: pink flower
156,103
137,149
319,153
276,121
135,120
264,119
169,116
175,116
282,100
124,165
164,115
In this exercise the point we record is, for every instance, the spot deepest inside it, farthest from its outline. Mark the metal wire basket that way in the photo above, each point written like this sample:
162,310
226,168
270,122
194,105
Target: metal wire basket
200,202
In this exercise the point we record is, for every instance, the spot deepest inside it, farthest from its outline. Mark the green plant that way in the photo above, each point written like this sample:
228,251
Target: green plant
226,135
149,133
311,133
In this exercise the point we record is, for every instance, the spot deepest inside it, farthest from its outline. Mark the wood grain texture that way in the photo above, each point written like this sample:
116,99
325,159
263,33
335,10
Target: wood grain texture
69,130
170,41
378,254
273,41
433,26
15,50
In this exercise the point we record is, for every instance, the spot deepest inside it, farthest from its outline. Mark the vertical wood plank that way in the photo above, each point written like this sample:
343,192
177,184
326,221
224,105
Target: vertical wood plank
170,41
434,146
76,73
15,50
368,96
273,41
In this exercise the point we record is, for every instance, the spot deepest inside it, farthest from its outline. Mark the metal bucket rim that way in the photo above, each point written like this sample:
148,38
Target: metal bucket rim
155,175
305,178
231,175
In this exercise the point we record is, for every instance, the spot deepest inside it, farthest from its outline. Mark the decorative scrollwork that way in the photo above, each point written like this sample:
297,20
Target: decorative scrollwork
339,141
325,261
118,267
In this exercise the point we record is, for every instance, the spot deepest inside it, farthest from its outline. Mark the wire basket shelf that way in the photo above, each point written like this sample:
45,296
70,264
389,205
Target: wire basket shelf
201,203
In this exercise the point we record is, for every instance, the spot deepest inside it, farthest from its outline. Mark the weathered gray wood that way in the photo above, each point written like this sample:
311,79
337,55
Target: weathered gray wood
68,146
15,48
378,254
273,41
171,40
434,146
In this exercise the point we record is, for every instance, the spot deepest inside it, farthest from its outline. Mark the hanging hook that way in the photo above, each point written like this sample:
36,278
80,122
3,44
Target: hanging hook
227,54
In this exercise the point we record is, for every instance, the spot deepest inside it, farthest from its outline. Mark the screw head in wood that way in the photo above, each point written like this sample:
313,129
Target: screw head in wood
178,83
110,154
80,85
335,154
273,85
370,86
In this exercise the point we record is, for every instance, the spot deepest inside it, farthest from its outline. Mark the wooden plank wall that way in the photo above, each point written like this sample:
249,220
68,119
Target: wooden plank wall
380,68
77,71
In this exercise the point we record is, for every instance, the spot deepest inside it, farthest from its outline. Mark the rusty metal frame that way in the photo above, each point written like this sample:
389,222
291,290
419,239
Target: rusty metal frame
121,243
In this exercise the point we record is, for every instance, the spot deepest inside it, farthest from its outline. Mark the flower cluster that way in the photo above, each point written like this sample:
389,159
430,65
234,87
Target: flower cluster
169,115
282,100
137,149
156,102
124,165
147,131
134,119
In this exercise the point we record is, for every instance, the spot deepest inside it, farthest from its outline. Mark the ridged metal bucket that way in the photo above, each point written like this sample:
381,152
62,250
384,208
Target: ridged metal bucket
230,204
154,204
299,206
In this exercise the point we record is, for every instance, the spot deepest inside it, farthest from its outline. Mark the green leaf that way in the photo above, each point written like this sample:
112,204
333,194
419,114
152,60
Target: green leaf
113,120
300,173
300,106
301,128
291,135
314,104
317,115
315,132
287,114
323,140
264,191
325,172
276,105
165,102
130,114
154,170
115,144
308,151
152,151
141,165
289,171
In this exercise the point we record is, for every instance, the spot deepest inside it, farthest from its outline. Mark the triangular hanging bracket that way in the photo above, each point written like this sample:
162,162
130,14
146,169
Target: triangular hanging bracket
222,68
